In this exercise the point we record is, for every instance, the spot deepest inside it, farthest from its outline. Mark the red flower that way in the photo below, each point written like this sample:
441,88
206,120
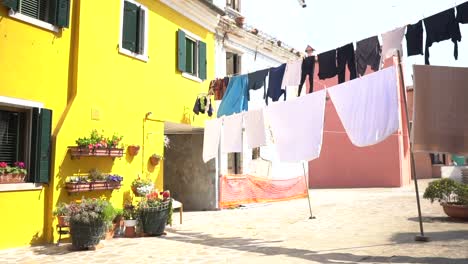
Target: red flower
3,165
166,194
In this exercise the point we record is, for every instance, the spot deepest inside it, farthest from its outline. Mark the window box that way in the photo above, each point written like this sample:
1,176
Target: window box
13,178
75,187
77,152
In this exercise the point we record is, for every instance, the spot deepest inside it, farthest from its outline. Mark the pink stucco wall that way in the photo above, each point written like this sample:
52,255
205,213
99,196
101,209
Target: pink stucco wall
341,164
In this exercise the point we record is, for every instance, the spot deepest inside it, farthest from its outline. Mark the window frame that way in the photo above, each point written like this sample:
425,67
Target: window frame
33,21
195,38
144,56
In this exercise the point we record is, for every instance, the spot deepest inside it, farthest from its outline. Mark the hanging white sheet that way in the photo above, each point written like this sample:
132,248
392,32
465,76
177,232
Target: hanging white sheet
211,139
368,106
255,128
297,127
232,134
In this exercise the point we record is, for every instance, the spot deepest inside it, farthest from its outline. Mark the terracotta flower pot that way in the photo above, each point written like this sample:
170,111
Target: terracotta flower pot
133,150
154,160
62,221
240,21
456,211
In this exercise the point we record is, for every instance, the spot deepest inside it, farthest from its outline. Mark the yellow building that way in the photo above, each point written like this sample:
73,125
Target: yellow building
100,65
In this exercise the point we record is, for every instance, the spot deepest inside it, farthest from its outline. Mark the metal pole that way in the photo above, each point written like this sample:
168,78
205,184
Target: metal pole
421,237
307,189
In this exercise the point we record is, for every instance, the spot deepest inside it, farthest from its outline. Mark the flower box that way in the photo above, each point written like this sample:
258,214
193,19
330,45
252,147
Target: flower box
73,187
77,152
13,178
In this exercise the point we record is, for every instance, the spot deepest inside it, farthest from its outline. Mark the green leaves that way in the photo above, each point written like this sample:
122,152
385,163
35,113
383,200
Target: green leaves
447,191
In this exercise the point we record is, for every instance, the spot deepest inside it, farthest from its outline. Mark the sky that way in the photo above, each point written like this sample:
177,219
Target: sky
329,24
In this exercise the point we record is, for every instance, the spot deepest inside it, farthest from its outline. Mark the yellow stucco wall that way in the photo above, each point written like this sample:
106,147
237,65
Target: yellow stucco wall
85,71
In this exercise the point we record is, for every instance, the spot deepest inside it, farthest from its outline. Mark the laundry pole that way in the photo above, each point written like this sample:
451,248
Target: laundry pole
421,237
307,189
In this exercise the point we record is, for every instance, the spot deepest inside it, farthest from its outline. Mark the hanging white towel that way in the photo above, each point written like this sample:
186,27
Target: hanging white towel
255,128
297,126
368,106
232,134
392,42
292,74
211,139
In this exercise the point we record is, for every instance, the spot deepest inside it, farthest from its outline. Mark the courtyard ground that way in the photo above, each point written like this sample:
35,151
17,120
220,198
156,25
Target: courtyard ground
375,225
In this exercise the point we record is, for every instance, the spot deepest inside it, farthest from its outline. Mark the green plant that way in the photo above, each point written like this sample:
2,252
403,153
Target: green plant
114,141
91,210
62,210
96,175
447,191
156,200
97,140
78,179
18,168
129,212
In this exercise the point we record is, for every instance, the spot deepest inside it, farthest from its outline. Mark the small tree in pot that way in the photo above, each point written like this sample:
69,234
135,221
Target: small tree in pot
452,195
62,212
88,221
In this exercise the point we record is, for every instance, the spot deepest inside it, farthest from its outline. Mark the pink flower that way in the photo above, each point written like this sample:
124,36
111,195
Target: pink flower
90,146
20,164
3,165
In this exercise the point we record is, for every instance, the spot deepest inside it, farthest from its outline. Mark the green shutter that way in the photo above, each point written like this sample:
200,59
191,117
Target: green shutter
13,4
41,145
130,27
141,31
181,50
63,13
202,60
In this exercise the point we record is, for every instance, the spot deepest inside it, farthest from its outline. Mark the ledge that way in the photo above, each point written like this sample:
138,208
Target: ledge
191,77
11,187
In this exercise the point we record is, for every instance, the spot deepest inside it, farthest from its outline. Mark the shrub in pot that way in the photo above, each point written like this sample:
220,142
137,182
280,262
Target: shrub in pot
452,195
142,187
155,212
62,212
130,221
88,221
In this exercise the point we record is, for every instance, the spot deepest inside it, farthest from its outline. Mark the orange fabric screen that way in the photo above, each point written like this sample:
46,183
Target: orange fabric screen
243,189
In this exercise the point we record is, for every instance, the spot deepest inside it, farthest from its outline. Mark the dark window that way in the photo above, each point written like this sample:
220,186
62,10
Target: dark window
191,55
56,12
13,136
234,4
233,63
133,29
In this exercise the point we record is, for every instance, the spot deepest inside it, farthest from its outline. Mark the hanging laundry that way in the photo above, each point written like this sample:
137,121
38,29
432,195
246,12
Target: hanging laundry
440,122
414,39
257,80
275,79
439,27
203,105
211,139
236,98
392,43
462,13
297,127
327,64
232,134
345,55
307,68
255,128
292,74
368,107
218,88
368,53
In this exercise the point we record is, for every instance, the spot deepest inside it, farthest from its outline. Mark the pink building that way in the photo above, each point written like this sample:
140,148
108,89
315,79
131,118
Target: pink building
341,164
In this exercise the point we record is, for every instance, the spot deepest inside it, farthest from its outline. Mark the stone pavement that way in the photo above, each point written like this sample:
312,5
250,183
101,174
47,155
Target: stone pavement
351,226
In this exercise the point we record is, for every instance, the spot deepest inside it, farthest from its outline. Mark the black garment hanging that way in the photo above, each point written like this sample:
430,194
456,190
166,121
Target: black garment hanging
345,55
307,68
414,39
203,105
327,64
439,27
462,13
257,80
275,80
368,53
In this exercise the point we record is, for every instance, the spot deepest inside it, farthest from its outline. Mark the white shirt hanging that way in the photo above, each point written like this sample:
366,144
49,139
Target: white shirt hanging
211,139
392,42
255,128
232,134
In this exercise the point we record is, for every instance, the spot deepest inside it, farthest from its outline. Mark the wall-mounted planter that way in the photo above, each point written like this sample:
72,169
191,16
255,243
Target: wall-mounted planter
77,152
74,187
133,150
154,161
12,178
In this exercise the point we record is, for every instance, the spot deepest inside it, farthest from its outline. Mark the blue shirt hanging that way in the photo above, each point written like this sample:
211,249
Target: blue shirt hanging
235,99
275,81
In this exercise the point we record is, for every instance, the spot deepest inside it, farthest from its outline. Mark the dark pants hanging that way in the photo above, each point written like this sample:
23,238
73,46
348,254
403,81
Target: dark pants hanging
307,69
345,55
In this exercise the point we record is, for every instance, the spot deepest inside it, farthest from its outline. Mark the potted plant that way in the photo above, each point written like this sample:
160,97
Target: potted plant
13,174
130,220
98,180
142,187
155,158
62,212
97,145
118,222
452,195
77,184
240,21
110,226
114,181
88,221
154,212
133,150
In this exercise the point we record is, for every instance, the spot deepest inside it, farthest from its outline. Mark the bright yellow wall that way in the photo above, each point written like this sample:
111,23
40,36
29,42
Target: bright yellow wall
33,66
122,89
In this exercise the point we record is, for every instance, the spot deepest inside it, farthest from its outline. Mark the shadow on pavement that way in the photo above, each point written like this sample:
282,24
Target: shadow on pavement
265,247
437,219
433,236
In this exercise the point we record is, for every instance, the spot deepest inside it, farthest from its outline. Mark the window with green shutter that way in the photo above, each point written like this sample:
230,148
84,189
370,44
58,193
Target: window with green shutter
134,33
191,55
55,12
